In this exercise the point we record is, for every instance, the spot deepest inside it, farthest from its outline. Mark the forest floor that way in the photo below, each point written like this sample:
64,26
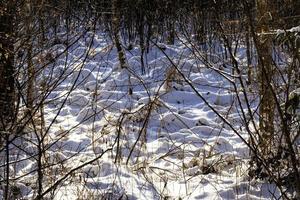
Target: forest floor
170,144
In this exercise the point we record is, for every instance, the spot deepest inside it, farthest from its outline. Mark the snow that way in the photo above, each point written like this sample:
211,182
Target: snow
184,151
295,29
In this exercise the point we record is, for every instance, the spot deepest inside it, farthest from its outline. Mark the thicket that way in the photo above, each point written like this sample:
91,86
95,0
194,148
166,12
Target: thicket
30,29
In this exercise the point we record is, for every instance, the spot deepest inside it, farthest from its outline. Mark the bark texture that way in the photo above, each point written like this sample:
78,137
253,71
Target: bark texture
6,65
266,73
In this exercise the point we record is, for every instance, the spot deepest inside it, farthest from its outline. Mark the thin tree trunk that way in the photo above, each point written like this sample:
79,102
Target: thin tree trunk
6,82
248,53
6,67
116,22
31,79
142,45
30,67
266,73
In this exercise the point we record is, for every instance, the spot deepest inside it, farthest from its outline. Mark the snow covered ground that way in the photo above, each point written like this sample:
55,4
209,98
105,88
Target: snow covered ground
170,144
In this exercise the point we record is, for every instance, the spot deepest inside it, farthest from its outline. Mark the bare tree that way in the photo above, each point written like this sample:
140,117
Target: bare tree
7,99
116,24
266,74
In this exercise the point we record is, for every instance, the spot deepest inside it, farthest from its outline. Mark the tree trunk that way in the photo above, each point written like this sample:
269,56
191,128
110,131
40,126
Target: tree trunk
249,60
6,66
31,79
265,75
30,68
142,45
6,83
116,22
